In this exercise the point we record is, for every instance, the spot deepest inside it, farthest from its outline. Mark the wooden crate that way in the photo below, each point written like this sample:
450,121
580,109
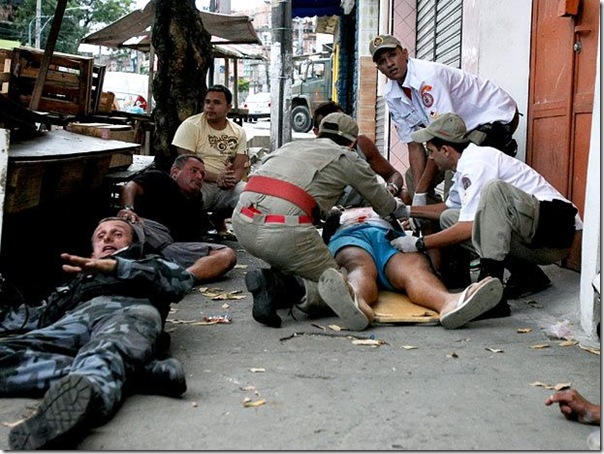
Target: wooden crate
68,85
6,57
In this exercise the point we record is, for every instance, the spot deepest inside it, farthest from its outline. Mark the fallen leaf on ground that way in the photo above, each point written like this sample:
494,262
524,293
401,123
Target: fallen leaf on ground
494,350
453,355
257,369
409,347
370,342
247,402
194,404
234,295
558,387
318,326
539,346
203,289
225,306
568,343
524,330
335,327
10,425
241,267
534,304
595,351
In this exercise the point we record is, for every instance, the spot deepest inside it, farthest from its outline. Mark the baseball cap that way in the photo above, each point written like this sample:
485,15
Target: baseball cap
341,124
448,126
383,42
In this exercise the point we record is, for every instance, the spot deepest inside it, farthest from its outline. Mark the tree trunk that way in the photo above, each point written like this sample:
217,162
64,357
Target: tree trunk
184,54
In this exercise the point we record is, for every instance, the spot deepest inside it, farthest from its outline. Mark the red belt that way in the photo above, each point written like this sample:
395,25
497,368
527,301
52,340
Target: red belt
284,190
274,218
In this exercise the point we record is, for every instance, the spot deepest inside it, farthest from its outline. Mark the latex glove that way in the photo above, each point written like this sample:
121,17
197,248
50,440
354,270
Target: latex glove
420,199
405,243
402,210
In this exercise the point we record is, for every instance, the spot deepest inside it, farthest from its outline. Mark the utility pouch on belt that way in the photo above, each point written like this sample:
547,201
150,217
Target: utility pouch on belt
556,228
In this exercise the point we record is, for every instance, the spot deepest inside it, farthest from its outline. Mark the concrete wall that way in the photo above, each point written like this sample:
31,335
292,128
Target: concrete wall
496,39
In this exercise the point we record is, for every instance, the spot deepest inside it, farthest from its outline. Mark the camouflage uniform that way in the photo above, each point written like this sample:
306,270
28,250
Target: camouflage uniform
108,335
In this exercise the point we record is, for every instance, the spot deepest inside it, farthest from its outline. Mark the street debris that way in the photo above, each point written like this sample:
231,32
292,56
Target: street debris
558,387
452,355
524,330
257,369
568,343
370,342
194,404
534,304
334,328
494,350
539,346
409,347
247,402
595,351
241,267
560,330
214,319
219,294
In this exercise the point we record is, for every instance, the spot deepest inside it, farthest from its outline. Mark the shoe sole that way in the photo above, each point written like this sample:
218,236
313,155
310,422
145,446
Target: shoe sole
528,292
65,407
484,298
256,285
334,291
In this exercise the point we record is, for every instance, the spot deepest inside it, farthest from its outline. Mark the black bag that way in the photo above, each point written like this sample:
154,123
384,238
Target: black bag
556,228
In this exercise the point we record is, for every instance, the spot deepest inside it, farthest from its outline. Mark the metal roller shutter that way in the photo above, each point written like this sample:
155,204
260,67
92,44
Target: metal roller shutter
439,31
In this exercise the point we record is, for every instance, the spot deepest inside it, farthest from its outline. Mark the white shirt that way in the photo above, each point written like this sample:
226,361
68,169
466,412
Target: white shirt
478,165
437,89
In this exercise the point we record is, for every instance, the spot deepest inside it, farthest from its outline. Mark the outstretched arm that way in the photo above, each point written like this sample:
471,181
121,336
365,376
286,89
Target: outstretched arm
575,407
380,165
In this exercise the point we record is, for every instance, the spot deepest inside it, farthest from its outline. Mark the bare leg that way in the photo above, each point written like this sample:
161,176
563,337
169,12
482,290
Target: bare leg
361,275
214,265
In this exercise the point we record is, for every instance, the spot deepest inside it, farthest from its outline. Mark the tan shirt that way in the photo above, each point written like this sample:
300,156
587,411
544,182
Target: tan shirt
217,148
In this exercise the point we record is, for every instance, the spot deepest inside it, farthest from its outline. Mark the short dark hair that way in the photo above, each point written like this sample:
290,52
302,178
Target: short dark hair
221,89
325,109
459,147
182,159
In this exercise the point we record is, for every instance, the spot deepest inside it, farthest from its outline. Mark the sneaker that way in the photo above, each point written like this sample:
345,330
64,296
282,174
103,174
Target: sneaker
259,283
522,284
339,296
65,410
164,377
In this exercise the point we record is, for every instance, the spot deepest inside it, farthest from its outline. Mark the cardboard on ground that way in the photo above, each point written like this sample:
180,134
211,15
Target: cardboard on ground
397,308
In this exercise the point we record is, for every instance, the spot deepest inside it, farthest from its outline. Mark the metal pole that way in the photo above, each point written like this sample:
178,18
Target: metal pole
281,73
38,17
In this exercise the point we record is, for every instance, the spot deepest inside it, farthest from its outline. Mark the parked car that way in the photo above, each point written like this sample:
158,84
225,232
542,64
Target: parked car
258,105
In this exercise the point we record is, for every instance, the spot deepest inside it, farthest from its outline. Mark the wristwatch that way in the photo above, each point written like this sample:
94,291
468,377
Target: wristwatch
420,245
128,207
397,189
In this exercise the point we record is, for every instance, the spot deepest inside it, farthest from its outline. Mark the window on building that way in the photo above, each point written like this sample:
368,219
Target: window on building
439,31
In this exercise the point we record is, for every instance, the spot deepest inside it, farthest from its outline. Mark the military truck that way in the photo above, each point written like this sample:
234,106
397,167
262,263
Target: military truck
313,87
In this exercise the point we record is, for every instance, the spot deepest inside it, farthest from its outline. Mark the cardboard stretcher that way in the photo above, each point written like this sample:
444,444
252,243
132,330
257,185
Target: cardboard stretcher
394,307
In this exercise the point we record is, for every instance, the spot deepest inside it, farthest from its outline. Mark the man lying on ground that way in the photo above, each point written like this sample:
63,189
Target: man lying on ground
361,245
95,334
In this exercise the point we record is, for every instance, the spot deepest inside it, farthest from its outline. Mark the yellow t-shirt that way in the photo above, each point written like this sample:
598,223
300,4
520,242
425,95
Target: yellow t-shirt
217,148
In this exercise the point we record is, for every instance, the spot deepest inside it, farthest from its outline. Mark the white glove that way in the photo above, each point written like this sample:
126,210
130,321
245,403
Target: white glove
420,199
402,210
405,243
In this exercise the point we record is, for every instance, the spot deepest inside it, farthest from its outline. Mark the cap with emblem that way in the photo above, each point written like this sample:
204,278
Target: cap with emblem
341,124
383,42
448,126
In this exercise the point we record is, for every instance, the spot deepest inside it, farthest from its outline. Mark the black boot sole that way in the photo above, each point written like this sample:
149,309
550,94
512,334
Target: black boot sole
263,309
65,408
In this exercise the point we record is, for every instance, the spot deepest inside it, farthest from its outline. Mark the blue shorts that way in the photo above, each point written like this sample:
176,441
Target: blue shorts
372,239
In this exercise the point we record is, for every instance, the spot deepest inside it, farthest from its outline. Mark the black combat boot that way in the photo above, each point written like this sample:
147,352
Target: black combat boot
525,279
69,407
495,269
273,290
164,377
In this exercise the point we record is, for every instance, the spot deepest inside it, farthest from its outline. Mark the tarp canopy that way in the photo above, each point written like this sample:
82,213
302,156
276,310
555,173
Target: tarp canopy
134,30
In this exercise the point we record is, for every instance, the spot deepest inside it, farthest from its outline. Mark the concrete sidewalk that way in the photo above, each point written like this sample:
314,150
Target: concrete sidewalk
322,392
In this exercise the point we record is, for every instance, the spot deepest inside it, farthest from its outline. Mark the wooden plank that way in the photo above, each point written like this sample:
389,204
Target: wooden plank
397,308
61,144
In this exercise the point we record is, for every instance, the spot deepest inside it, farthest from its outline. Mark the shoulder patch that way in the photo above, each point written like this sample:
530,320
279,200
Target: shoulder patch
466,182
